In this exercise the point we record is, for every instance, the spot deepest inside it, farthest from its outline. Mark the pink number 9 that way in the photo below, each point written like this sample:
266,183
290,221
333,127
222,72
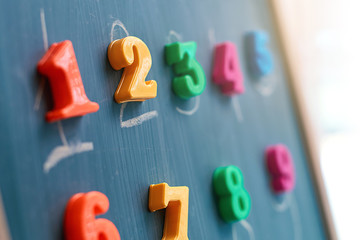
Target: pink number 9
281,168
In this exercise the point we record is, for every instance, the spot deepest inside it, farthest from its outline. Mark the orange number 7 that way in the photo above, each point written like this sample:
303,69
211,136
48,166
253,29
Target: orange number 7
132,54
176,202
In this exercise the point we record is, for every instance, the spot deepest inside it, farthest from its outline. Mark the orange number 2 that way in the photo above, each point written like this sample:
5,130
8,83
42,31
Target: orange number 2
132,54
176,202
80,222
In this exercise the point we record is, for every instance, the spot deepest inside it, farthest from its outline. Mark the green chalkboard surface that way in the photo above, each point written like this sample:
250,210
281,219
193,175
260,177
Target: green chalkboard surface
123,148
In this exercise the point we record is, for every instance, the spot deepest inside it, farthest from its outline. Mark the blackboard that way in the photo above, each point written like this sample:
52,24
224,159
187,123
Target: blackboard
123,148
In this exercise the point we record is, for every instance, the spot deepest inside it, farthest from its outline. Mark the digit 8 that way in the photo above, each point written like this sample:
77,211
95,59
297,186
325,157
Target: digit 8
234,201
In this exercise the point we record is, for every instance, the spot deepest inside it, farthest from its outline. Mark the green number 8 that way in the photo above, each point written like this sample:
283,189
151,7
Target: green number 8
234,201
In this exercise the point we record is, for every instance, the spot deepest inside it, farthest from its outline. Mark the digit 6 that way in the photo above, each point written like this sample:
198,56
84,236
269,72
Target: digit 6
80,222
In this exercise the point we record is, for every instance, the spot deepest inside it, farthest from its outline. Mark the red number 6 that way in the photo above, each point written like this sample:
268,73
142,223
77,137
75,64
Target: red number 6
80,218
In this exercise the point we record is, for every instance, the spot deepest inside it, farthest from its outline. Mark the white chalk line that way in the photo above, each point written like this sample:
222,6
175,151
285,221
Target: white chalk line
119,24
39,92
193,110
173,36
61,152
247,227
296,219
136,120
283,205
237,108
62,134
211,35
266,87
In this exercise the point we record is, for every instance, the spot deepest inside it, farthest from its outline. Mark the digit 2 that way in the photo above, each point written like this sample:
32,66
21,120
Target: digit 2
80,222
234,201
191,80
132,54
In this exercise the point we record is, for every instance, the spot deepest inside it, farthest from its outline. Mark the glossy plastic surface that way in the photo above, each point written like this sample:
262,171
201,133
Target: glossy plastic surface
80,218
234,201
60,66
226,71
132,54
190,80
176,202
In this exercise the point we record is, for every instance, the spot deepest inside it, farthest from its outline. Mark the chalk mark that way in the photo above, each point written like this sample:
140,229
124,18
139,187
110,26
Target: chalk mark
237,108
296,220
62,134
173,37
211,35
136,120
283,205
40,91
119,24
61,152
266,86
247,227
193,110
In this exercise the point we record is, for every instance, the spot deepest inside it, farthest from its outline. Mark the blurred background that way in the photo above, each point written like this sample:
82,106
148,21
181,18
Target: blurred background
324,40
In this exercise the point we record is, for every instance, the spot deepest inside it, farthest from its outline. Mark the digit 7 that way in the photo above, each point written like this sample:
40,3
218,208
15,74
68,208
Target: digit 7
176,202
80,218
132,54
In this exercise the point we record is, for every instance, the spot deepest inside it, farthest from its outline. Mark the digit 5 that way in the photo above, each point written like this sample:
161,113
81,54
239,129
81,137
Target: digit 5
132,54
80,222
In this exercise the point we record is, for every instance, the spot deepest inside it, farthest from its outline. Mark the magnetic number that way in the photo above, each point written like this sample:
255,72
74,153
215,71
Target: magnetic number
176,202
280,166
234,201
132,54
261,63
191,80
59,64
80,222
226,71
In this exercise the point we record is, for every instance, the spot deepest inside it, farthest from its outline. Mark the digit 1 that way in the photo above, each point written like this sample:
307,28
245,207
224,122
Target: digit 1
234,201
191,80
260,59
226,72
80,218
280,166
60,66
176,202
132,54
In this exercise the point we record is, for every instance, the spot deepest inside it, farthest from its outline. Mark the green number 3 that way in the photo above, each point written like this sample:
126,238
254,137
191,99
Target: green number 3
191,80
234,201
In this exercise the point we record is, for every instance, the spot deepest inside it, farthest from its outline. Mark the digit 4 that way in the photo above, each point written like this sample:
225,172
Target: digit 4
226,71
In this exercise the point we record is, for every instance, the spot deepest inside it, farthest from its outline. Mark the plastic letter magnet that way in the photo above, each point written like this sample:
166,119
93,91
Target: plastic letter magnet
281,168
60,66
176,202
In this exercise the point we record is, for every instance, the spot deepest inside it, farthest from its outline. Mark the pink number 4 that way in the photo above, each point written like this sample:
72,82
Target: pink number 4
226,71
